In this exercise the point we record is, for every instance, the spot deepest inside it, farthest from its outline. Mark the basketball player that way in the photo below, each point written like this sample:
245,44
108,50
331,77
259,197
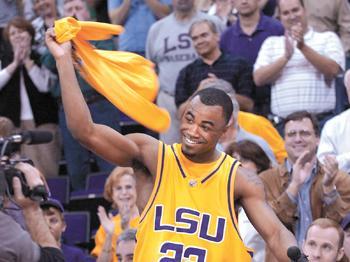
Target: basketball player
190,215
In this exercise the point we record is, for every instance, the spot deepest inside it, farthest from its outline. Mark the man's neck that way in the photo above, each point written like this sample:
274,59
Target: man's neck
212,57
183,16
249,23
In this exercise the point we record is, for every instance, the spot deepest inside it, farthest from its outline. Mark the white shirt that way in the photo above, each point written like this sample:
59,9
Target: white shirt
300,85
335,140
251,237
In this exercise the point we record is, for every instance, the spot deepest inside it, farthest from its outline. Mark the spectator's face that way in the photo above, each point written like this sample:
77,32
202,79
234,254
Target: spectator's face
291,13
204,40
322,245
124,192
183,6
347,242
125,251
300,137
19,37
246,7
44,7
55,222
77,9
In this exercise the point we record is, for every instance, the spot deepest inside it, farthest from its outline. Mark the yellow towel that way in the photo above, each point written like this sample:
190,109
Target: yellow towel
126,79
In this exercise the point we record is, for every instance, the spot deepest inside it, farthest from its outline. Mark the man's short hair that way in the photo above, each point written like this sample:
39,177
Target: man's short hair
225,86
325,223
300,1
211,24
300,115
216,97
127,235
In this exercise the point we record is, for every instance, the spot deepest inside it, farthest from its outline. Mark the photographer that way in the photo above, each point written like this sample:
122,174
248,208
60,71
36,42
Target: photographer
37,244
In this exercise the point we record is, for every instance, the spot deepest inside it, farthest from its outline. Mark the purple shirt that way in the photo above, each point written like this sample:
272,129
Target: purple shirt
234,41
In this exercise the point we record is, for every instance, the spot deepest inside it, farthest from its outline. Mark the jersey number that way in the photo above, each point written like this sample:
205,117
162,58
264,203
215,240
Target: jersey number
180,252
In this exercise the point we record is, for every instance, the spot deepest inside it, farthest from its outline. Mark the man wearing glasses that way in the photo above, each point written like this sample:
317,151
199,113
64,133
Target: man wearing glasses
302,189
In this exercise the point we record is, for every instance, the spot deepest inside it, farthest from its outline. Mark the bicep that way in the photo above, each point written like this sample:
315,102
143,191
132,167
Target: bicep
254,202
119,149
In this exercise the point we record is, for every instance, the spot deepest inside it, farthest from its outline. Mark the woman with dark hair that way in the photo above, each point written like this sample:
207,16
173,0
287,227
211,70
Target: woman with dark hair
25,97
252,157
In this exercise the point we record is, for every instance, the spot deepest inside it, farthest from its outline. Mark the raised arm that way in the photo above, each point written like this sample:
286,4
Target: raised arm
250,191
159,9
101,139
119,14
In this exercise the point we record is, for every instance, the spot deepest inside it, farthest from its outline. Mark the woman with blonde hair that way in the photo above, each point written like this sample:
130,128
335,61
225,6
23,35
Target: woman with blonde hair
120,190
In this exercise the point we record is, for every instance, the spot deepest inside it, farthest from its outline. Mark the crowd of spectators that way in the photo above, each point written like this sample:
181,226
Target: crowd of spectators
285,64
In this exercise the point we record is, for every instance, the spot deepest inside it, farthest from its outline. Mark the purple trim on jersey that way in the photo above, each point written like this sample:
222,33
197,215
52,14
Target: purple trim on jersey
178,162
158,186
229,196
212,173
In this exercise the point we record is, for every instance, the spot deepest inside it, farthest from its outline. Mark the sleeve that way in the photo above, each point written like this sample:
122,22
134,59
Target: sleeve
100,238
112,4
16,244
180,90
150,44
334,50
245,84
327,143
278,198
340,207
40,77
50,254
4,78
264,58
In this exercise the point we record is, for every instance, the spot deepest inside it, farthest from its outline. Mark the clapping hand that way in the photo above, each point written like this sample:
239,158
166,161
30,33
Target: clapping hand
330,166
106,220
125,213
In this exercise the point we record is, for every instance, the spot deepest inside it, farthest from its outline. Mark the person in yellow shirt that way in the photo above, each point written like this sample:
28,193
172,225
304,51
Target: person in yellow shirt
183,173
120,190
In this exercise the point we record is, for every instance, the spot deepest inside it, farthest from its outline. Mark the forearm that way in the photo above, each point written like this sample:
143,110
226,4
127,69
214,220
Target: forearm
328,67
159,10
38,227
245,103
280,244
77,113
119,14
269,73
4,77
106,252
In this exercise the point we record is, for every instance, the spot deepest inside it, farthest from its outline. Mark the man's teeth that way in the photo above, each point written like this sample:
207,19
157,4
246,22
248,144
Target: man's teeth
190,141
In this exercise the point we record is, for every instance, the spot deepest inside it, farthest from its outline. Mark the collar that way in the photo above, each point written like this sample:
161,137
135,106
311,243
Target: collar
237,29
201,61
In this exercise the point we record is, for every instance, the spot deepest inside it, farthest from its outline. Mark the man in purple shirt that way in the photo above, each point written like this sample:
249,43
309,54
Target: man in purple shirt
245,37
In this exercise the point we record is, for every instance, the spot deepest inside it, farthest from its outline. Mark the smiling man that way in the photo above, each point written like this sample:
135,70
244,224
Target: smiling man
212,63
301,189
190,214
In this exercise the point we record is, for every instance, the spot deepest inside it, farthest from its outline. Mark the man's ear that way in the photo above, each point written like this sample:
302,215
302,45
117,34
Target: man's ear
340,254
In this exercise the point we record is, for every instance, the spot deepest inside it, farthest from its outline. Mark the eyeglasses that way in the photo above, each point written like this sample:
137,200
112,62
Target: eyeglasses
302,133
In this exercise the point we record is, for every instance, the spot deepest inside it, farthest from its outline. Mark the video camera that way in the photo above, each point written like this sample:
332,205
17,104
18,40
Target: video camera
9,145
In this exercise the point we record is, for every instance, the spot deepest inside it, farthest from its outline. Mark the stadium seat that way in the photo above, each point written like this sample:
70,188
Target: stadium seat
59,188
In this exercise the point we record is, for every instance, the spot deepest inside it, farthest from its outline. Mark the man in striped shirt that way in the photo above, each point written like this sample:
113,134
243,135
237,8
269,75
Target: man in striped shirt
300,66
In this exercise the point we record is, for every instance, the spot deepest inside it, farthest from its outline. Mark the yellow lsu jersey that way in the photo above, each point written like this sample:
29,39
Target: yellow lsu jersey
190,214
